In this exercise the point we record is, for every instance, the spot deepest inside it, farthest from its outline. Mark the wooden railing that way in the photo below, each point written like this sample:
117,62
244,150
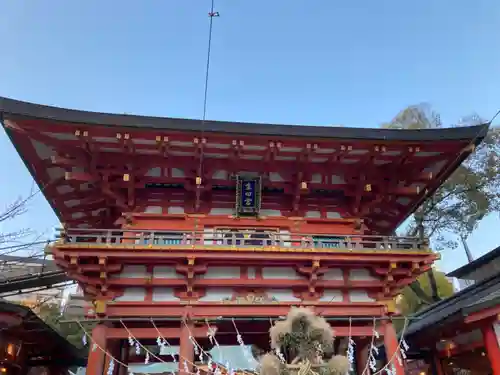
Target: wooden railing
248,239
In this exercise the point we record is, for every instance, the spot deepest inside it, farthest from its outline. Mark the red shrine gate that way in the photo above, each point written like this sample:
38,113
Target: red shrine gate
170,233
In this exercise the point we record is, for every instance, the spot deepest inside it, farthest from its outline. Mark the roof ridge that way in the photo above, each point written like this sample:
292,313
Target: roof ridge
17,108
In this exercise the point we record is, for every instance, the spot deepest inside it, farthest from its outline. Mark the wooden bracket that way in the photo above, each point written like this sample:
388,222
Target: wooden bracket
100,307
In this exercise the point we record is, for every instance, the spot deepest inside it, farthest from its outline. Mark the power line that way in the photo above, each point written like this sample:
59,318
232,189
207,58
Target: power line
211,15
21,246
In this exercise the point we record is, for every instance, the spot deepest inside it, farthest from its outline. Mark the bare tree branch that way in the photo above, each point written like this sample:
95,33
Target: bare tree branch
23,240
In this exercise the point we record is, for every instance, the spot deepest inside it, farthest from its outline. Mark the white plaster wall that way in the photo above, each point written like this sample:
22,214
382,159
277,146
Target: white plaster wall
176,210
132,271
64,189
221,211
313,214
332,295
42,150
360,274
153,210
176,172
282,295
272,213
359,296
165,272
221,273
154,172
275,177
333,274
336,179
316,178
251,272
280,273
220,174
132,295
161,294
216,294
333,215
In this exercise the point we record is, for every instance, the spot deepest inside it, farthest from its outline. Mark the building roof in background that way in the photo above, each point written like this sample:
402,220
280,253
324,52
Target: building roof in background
39,260
21,273
467,301
490,300
36,282
28,261
44,345
477,263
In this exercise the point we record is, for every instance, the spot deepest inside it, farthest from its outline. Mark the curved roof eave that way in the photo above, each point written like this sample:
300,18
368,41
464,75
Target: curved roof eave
475,264
15,108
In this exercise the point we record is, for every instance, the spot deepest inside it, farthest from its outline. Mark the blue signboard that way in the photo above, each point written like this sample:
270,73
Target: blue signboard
248,195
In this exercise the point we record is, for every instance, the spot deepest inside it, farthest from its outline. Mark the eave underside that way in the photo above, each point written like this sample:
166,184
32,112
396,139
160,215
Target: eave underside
383,280
453,311
39,340
92,174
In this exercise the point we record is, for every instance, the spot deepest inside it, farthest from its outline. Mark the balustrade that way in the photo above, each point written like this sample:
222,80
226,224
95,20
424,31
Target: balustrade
243,239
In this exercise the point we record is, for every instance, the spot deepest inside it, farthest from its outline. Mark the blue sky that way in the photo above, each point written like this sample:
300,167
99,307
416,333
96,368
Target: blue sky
355,63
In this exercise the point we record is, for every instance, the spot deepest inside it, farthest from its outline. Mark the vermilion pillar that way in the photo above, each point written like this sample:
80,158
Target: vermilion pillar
97,357
492,349
437,365
362,358
124,353
113,349
186,351
391,347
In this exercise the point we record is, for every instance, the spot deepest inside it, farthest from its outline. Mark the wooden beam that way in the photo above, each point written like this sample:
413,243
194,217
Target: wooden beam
201,311
152,333
482,314
206,283
228,254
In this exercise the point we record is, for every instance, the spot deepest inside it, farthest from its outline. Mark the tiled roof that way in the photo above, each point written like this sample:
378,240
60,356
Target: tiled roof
466,301
39,339
476,263
485,302
11,107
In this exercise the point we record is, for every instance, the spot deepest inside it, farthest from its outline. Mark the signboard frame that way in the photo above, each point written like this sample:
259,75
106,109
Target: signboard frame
248,196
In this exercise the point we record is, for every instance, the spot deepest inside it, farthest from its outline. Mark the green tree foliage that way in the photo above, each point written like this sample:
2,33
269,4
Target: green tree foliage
53,316
472,191
412,301
429,288
456,209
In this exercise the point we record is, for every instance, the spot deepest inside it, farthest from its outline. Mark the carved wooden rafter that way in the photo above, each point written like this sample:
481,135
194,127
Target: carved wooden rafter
190,270
250,297
85,146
